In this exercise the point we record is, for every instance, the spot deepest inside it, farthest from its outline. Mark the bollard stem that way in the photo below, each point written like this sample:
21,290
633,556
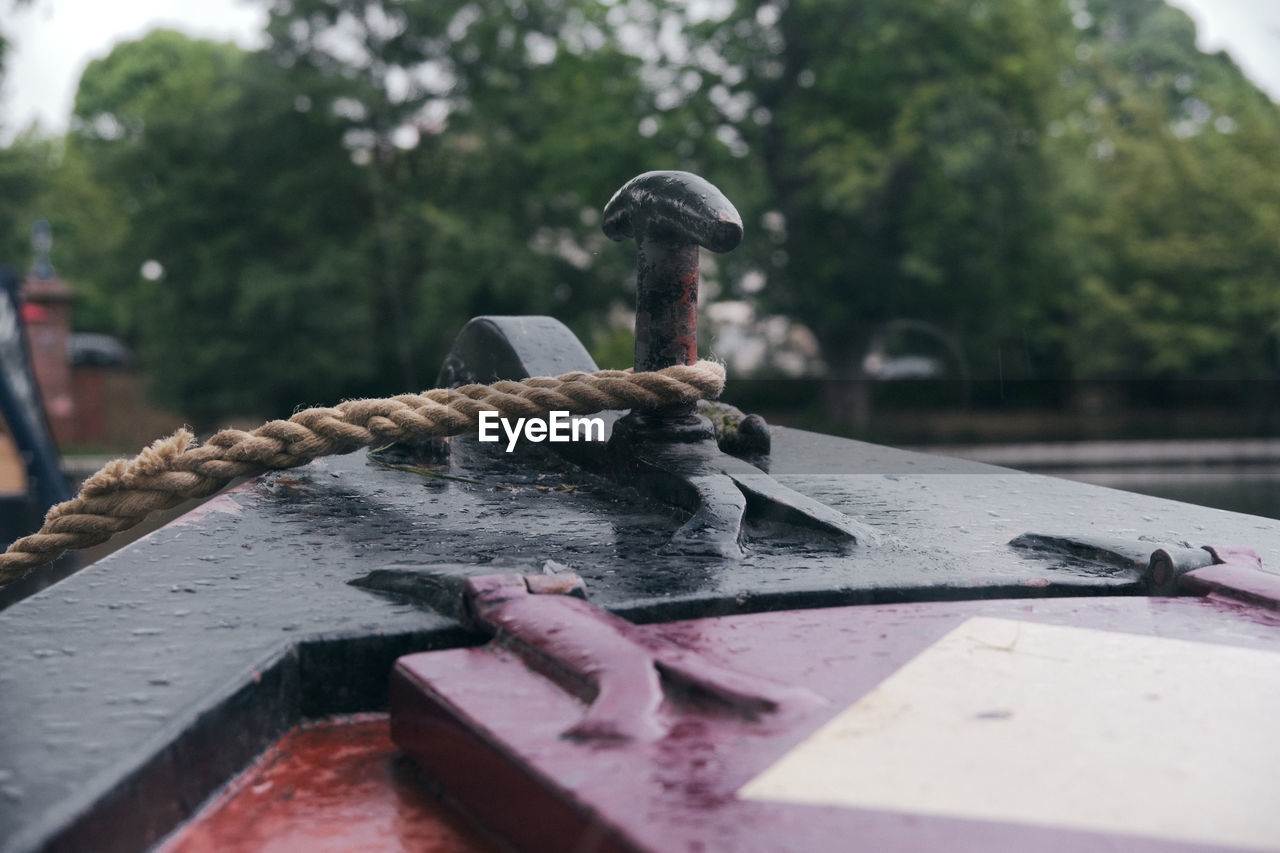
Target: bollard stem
669,214
666,304
666,310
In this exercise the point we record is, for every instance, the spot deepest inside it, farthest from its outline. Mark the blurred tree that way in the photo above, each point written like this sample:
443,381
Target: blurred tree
25,168
319,219
901,150
1058,189
493,132
242,273
1068,190
900,145
1172,198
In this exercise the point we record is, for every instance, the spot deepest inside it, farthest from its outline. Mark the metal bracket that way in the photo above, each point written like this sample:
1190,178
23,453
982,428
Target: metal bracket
1171,569
623,674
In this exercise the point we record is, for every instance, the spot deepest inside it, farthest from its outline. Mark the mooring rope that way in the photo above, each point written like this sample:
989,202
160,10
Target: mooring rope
176,468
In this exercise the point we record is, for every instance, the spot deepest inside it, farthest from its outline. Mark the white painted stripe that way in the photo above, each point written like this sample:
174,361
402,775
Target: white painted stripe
1022,722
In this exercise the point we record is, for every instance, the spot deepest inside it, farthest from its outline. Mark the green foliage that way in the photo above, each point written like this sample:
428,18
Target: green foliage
1066,190
328,213
1173,198
254,212
527,122
899,143
25,166
1057,190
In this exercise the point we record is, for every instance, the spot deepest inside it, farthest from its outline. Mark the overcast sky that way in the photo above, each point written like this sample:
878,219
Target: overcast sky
53,40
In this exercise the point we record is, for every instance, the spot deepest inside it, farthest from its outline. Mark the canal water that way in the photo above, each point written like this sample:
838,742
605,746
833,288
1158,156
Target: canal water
1252,489
1241,475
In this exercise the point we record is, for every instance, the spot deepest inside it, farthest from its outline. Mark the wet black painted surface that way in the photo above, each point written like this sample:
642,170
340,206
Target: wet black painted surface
131,690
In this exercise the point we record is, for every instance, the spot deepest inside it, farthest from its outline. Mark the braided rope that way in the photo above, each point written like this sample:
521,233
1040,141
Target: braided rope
175,469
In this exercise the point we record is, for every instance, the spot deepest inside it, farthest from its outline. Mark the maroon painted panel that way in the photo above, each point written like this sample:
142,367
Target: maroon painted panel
493,731
1237,574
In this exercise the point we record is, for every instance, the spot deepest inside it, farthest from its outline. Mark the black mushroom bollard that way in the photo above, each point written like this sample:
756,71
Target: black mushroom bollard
670,215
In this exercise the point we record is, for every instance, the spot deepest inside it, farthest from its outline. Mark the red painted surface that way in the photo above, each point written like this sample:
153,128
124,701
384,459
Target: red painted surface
32,313
336,787
47,313
88,387
491,730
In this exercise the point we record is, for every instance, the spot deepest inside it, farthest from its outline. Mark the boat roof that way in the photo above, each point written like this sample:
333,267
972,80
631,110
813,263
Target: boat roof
168,665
